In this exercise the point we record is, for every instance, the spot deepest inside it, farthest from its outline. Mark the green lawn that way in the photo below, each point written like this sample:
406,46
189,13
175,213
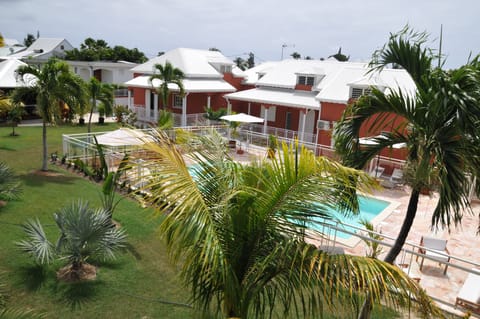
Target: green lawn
141,283
132,286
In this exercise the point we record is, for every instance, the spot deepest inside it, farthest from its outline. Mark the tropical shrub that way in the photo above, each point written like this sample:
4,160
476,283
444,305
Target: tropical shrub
84,233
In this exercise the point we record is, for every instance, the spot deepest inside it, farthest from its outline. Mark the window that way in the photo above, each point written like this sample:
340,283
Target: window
260,75
152,101
357,92
121,92
272,110
305,80
288,121
177,101
225,68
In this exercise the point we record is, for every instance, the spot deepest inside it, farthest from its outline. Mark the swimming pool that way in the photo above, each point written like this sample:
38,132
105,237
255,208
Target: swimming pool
369,209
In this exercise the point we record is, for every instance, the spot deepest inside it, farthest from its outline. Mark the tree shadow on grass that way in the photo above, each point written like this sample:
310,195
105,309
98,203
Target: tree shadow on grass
4,148
32,276
75,295
132,250
39,179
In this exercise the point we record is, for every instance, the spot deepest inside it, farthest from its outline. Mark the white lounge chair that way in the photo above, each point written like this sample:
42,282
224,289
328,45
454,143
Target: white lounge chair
469,295
397,176
376,172
435,249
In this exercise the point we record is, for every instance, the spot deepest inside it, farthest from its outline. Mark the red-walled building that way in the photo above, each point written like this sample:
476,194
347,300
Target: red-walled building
305,98
297,98
209,75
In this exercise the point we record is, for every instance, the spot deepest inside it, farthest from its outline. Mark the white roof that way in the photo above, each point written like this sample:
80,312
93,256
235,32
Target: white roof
190,85
292,98
334,81
284,74
11,42
8,77
251,75
336,89
43,46
192,62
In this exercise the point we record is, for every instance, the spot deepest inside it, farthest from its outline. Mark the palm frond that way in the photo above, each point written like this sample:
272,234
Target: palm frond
240,229
36,245
10,187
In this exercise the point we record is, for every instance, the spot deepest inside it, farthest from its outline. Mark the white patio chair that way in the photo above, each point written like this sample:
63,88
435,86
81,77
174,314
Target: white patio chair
435,249
376,172
397,176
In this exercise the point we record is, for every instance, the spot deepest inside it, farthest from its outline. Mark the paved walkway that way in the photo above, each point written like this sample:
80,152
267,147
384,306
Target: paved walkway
38,122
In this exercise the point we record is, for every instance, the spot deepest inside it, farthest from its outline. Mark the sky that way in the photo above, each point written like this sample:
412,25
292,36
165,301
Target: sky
314,28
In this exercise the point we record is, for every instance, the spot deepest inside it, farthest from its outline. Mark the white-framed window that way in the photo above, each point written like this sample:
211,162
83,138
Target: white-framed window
305,80
357,92
225,68
177,101
272,111
260,75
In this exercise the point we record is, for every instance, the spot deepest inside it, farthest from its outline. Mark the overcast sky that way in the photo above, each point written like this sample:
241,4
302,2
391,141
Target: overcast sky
314,28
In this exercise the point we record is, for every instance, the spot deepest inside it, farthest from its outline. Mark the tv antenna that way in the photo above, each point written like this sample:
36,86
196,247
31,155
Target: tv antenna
286,46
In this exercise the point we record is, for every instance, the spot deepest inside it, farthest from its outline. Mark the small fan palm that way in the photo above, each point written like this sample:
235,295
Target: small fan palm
84,233
10,187
240,231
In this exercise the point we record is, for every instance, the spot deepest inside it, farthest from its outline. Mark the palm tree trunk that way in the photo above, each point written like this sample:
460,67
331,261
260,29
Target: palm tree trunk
45,149
407,224
367,307
366,310
90,117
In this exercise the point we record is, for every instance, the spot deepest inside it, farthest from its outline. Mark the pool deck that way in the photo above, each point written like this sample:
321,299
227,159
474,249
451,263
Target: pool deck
463,241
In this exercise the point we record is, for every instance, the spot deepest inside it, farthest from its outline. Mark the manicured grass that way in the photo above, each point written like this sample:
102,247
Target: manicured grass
132,286
135,285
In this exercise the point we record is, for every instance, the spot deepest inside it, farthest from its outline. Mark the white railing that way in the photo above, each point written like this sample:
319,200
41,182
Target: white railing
409,254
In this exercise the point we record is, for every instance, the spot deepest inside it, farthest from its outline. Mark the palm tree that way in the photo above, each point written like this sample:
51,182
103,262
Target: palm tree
84,233
53,83
167,74
9,185
438,123
240,230
13,112
102,92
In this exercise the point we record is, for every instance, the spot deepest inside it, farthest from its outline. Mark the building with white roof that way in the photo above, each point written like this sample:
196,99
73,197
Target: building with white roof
43,49
8,78
208,76
307,97
10,47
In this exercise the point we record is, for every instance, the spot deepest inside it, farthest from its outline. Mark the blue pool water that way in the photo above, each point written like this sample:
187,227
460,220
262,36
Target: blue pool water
369,209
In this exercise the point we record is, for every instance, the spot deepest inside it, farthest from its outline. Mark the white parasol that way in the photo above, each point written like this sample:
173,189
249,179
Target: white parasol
122,137
242,118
